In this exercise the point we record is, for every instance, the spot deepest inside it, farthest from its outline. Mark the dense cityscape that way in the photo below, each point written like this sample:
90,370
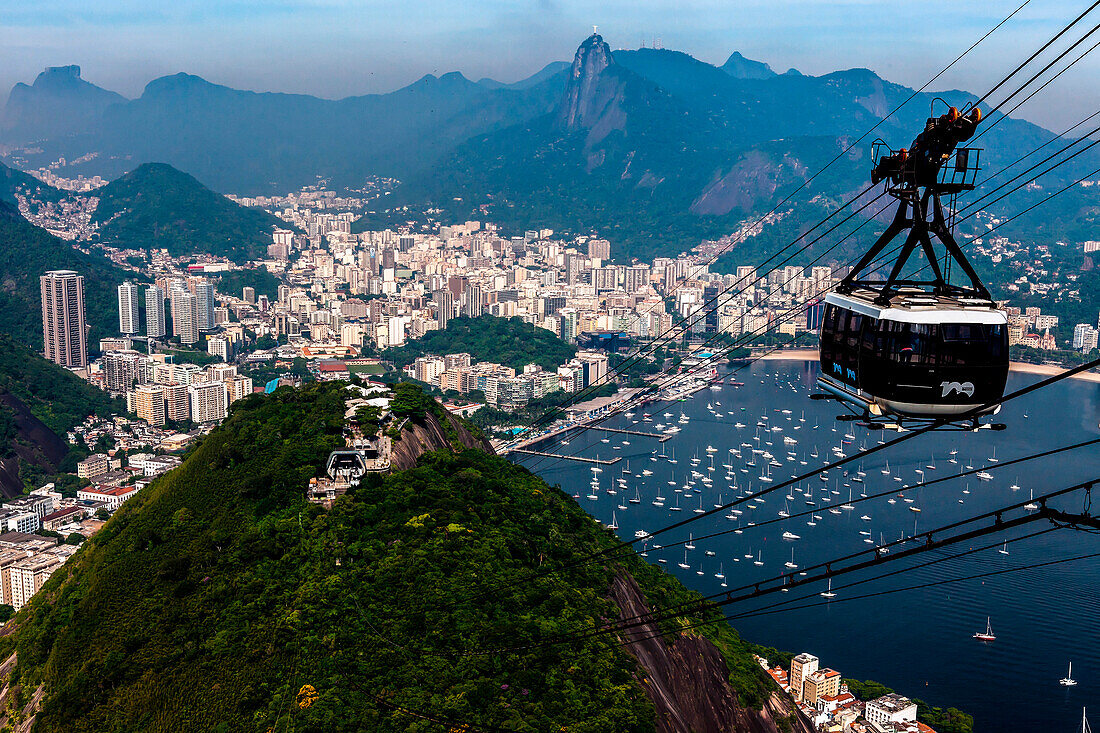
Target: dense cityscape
633,392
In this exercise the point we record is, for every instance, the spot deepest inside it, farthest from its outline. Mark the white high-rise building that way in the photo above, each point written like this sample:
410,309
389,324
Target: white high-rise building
204,305
185,319
1085,337
209,401
129,318
154,313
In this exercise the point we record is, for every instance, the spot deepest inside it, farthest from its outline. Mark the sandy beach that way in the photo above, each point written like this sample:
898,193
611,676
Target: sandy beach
1046,370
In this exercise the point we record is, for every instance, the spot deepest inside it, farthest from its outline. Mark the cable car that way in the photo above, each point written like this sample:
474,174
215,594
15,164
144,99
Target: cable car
908,349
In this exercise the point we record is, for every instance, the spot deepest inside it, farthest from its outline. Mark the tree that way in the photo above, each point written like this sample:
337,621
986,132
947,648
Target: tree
102,514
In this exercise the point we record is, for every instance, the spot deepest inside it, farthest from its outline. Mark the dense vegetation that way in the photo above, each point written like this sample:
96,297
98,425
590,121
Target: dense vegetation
156,206
508,341
27,252
212,599
235,281
57,398
54,395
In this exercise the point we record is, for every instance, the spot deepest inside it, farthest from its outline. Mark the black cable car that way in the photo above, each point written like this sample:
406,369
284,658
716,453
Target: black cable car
908,349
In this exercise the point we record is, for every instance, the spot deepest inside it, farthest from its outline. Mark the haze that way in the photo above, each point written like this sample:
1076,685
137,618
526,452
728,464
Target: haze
336,48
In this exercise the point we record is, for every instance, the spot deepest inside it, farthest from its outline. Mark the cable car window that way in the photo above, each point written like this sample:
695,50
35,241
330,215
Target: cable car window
914,343
972,344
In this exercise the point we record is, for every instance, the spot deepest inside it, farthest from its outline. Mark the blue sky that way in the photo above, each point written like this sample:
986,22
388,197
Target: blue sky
335,48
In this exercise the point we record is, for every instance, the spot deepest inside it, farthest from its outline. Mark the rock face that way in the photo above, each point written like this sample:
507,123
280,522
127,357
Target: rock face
428,434
594,92
34,443
58,103
688,680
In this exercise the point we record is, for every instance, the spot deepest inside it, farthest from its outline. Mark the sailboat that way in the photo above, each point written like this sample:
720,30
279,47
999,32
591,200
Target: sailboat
684,565
721,574
1068,680
1031,505
637,497
829,593
758,562
1004,548
791,563
988,634
1084,721
614,522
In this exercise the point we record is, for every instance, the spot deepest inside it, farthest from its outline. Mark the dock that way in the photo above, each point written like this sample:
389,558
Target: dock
661,437
582,459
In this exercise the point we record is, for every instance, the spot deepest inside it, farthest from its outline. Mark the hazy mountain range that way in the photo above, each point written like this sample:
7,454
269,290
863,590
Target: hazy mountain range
652,148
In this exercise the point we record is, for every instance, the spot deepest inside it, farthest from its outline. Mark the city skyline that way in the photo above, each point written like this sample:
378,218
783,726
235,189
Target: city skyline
259,47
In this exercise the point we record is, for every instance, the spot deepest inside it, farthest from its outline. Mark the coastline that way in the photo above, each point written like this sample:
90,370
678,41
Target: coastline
1046,370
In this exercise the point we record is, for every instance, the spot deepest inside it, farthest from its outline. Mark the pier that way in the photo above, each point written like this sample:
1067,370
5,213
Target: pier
661,437
582,459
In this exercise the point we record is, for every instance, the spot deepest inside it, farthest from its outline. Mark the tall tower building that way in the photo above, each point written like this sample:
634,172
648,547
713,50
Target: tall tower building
444,307
154,312
185,317
129,319
204,305
64,330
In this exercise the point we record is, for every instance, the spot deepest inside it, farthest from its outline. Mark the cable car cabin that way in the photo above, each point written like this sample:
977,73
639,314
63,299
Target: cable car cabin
922,356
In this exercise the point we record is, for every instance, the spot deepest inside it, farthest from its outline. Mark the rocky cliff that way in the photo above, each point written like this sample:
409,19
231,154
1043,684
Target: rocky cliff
30,442
688,680
431,433
594,93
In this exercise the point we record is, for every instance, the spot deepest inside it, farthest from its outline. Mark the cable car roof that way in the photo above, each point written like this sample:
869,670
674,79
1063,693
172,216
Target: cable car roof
919,306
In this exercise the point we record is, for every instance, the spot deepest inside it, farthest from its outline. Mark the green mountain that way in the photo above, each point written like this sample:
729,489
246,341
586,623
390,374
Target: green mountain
219,600
39,403
156,206
657,150
26,252
508,341
13,181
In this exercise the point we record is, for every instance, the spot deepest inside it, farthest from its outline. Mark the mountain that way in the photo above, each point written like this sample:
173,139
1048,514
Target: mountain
27,252
250,143
14,183
219,599
740,67
657,150
156,206
39,403
58,104
651,148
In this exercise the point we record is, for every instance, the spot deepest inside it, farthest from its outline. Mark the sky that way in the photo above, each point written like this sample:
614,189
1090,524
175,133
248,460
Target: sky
337,48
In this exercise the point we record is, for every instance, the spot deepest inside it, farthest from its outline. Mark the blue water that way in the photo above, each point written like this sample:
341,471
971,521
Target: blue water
917,641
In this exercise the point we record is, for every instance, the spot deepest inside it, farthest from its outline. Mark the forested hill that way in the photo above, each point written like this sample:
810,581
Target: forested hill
39,403
509,341
26,252
156,206
219,600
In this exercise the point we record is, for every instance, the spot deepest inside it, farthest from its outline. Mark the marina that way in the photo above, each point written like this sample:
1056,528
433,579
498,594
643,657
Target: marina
734,438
